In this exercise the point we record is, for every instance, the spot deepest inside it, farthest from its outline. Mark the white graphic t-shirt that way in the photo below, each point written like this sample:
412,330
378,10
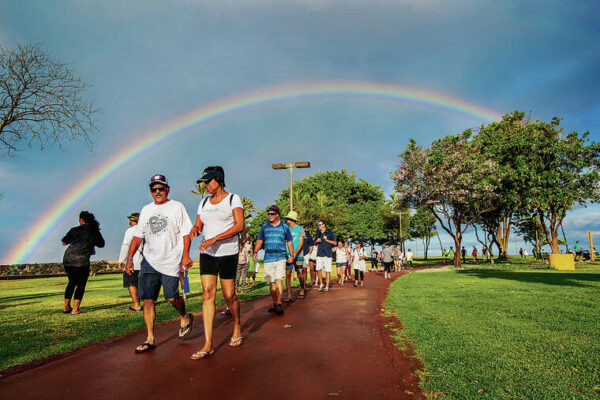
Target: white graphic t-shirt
218,218
137,256
163,226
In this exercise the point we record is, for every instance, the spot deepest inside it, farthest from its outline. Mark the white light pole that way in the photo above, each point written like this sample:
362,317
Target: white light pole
290,166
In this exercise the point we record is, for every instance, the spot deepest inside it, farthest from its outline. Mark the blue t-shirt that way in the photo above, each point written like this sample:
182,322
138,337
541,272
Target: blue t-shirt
275,239
307,242
324,249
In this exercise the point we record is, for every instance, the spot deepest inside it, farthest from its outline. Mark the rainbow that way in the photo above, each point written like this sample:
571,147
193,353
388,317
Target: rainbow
224,108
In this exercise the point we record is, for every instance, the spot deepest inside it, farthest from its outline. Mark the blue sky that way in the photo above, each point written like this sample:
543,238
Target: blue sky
150,61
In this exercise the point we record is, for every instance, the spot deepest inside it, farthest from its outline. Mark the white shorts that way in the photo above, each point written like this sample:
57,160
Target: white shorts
305,262
273,271
323,263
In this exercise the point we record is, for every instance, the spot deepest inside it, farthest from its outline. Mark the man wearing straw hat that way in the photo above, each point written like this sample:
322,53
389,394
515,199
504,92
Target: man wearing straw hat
298,260
131,281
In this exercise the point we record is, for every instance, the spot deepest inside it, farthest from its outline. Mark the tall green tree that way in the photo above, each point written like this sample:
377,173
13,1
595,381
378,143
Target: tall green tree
339,198
451,177
508,142
563,171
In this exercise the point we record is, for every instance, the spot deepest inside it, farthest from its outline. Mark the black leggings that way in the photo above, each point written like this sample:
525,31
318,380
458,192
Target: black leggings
387,266
362,275
78,277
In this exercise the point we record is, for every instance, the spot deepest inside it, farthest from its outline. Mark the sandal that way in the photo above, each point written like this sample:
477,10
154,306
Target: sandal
67,311
144,347
133,309
235,342
185,331
202,354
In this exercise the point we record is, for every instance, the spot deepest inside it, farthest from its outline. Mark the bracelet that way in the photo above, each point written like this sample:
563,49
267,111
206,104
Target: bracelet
129,259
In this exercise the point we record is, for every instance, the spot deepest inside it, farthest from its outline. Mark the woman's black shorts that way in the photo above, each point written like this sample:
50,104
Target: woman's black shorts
225,266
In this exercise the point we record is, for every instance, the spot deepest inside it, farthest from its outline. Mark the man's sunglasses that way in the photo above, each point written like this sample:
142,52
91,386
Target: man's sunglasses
158,189
271,213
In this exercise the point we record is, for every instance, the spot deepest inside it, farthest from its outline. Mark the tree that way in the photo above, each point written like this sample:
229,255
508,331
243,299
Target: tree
422,225
199,189
563,171
248,208
508,142
41,100
339,199
453,178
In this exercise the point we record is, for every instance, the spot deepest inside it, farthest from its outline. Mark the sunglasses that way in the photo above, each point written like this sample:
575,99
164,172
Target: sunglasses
158,189
271,213
320,224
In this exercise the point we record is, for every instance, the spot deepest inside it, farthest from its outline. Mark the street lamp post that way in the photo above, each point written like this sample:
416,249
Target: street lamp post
290,166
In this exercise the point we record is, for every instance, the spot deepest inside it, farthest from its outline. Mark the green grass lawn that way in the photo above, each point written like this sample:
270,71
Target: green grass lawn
34,327
513,333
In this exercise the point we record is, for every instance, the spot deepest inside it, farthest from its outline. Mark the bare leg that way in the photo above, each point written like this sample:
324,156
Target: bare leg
76,304
67,305
288,282
179,305
149,318
278,290
209,290
133,292
228,288
327,276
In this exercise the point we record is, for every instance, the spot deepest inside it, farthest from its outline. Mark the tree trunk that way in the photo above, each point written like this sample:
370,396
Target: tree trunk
503,235
457,255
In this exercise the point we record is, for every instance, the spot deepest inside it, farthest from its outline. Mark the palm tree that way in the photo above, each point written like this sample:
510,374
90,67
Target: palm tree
248,208
199,189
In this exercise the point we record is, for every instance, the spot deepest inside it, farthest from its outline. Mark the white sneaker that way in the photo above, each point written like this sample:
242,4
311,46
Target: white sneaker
320,288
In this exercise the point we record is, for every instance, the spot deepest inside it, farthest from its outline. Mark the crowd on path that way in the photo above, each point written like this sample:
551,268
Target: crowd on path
156,247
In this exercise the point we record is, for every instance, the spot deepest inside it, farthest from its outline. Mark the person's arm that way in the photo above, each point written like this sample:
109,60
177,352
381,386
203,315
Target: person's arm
290,247
330,238
186,261
124,249
238,226
259,242
300,247
99,240
257,247
196,229
133,246
68,237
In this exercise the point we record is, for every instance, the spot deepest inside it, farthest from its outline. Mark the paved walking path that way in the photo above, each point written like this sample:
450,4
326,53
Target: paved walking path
329,345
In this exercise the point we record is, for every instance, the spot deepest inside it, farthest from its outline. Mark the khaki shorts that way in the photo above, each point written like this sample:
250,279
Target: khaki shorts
323,263
273,271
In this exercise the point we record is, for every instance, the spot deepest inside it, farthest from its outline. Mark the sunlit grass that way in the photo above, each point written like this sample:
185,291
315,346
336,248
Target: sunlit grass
512,332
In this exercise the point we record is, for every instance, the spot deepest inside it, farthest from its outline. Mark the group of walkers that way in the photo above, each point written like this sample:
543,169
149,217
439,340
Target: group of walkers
392,259
155,253
448,255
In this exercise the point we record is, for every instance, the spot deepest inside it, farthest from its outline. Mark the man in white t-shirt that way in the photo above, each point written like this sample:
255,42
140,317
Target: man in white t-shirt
164,225
131,281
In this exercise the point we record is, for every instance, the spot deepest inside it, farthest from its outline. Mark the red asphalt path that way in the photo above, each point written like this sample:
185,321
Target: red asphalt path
335,345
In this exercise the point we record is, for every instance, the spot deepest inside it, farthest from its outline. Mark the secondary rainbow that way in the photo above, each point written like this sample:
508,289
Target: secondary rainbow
223,108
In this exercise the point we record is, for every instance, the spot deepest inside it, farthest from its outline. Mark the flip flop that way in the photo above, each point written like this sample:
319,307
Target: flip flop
235,342
288,300
202,354
144,347
185,331
67,311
